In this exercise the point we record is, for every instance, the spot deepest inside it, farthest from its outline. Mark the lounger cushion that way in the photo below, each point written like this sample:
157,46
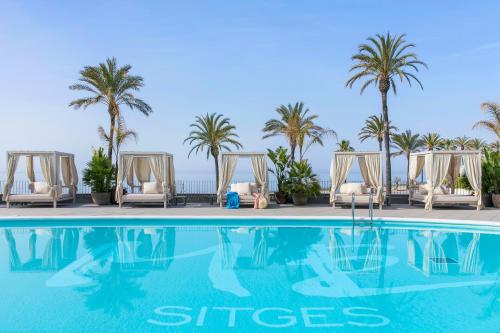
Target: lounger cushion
360,199
441,190
37,197
356,188
447,198
151,188
41,188
141,197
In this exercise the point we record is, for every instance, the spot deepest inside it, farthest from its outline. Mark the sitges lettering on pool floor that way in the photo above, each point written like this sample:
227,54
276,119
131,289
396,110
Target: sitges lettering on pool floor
270,317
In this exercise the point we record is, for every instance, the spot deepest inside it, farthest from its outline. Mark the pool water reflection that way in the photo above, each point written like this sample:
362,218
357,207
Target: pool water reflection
248,279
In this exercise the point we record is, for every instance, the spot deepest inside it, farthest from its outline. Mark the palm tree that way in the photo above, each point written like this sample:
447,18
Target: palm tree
493,123
495,146
295,124
316,136
380,62
407,143
449,144
432,141
216,134
374,129
122,135
477,144
344,145
462,142
112,86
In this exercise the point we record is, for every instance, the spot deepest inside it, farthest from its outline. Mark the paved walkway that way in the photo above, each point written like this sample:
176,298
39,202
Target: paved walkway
395,211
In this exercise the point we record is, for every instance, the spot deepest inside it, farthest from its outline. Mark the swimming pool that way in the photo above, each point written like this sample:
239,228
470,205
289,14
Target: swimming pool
227,275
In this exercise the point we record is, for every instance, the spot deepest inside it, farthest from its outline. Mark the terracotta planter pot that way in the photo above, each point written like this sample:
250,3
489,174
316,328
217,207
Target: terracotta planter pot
487,200
101,199
299,199
280,197
496,200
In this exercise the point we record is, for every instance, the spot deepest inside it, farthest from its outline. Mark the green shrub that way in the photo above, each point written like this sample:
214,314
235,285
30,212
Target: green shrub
463,183
99,174
491,172
281,161
302,180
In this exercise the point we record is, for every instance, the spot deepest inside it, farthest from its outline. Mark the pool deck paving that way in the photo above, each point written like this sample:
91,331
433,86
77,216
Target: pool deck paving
205,210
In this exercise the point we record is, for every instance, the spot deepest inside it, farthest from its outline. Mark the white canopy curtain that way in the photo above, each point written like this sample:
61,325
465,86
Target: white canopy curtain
53,164
339,169
416,167
370,165
12,161
473,170
371,171
445,165
143,164
436,168
124,166
228,166
30,171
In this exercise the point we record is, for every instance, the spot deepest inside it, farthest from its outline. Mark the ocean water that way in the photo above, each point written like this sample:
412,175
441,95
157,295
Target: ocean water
246,276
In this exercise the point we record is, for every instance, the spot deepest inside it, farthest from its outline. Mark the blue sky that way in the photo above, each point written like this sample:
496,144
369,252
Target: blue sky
242,59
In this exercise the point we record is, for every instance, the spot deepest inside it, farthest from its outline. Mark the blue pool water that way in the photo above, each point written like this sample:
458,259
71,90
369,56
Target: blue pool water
247,276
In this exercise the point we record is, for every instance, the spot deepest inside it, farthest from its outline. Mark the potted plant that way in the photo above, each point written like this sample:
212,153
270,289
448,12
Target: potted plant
301,183
99,176
281,162
491,176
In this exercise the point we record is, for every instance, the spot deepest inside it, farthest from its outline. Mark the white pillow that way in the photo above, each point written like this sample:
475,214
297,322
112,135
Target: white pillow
151,188
244,189
253,188
41,188
235,187
356,188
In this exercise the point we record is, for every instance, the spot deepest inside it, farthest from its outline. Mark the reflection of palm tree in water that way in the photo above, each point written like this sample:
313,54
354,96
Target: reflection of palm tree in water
113,285
112,289
293,245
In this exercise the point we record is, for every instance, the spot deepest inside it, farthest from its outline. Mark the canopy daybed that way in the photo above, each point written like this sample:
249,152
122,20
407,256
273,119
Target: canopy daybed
228,163
441,166
370,164
143,164
51,190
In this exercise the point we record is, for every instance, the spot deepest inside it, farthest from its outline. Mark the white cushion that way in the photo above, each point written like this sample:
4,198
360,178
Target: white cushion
41,188
241,188
253,188
356,188
151,188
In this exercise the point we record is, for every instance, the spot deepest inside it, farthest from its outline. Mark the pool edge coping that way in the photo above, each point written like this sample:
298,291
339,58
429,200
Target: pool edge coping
485,223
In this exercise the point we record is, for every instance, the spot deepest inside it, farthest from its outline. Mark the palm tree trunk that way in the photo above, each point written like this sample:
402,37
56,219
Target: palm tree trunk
407,170
111,136
388,181
292,152
216,159
380,144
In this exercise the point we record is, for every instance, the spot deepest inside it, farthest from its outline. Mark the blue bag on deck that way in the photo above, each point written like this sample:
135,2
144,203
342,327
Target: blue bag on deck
233,200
